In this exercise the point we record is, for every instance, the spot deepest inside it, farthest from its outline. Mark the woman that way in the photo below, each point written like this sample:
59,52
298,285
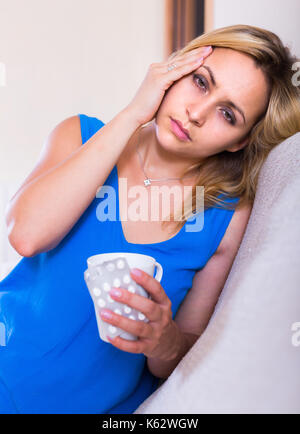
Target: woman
210,117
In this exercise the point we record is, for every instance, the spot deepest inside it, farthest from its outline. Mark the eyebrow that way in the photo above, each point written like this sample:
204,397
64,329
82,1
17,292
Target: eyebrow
213,80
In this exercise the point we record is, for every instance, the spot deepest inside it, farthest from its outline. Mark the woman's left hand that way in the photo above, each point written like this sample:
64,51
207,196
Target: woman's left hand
156,338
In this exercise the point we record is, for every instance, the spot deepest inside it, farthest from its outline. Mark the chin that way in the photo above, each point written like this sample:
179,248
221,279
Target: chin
166,139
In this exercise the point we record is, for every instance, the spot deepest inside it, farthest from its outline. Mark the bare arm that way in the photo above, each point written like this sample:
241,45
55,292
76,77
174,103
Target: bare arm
64,182
199,304
195,311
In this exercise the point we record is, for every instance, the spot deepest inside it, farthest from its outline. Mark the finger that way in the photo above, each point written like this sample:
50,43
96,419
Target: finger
137,328
203,51
126,345
180,71
151,285
181,59
147,307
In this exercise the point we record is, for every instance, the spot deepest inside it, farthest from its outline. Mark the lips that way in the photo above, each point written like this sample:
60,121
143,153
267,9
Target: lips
183,131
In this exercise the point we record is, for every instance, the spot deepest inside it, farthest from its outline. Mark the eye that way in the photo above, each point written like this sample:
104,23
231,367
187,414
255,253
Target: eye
230,119
199,78
202,83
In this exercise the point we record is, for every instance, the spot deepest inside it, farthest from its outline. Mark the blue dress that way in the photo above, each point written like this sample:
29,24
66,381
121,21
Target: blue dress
53,360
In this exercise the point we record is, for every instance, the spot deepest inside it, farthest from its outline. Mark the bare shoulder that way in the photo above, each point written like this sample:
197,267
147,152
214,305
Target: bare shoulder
66,135
235,230
61,142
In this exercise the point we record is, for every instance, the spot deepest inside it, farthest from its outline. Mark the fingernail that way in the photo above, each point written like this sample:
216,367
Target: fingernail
116,292
105,314
136,272
207,49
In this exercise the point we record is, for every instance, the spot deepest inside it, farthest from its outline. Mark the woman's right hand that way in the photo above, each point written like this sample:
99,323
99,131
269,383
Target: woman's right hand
150,94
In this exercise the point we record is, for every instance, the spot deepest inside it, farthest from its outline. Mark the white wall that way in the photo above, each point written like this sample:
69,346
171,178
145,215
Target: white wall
64,57
279,16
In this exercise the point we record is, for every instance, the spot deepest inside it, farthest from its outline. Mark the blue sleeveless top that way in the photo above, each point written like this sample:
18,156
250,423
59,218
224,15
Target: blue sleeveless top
53,360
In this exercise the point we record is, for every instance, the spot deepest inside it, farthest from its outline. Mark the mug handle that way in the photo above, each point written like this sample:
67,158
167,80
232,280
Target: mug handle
159,271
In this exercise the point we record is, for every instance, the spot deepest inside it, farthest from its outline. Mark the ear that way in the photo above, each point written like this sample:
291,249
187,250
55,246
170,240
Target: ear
239,146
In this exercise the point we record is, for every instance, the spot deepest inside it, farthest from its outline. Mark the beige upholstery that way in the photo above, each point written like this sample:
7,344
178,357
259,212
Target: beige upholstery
246,360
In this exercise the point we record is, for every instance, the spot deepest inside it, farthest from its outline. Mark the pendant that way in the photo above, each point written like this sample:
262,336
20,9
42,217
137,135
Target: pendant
147,182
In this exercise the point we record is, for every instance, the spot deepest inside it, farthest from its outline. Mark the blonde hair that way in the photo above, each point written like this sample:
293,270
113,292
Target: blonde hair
235,174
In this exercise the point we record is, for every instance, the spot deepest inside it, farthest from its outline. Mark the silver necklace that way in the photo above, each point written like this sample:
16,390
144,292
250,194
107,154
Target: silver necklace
148,180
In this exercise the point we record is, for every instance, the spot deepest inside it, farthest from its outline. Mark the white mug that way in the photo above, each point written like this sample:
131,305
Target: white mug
134,260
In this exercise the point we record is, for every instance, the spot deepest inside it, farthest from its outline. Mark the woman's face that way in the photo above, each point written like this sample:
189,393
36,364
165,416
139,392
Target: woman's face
201,102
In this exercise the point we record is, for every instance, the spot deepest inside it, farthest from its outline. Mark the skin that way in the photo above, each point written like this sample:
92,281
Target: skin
203,113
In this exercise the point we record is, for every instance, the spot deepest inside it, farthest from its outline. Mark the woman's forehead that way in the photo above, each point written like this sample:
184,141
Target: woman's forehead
237,77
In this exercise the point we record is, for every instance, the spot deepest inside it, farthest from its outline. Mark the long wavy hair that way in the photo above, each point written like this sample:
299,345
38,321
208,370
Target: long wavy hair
235,174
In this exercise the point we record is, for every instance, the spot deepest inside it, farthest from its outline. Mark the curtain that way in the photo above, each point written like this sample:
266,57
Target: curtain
184,20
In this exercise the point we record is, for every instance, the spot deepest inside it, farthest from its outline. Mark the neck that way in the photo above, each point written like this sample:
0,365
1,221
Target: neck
157,161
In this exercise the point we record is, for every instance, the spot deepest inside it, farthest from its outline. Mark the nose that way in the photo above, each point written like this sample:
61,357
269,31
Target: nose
197,113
